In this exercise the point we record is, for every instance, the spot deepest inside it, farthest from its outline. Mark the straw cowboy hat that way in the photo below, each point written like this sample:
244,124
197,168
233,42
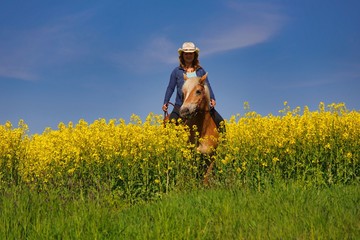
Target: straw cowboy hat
188,47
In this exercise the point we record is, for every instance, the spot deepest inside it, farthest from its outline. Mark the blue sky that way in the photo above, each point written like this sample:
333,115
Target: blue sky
69,60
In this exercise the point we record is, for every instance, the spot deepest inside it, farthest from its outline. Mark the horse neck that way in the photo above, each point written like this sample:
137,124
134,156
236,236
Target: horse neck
201,121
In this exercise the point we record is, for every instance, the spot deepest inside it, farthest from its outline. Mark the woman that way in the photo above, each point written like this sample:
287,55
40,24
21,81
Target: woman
189,65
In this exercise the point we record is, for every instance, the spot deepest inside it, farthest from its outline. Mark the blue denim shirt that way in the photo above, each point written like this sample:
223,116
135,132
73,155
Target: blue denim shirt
177,80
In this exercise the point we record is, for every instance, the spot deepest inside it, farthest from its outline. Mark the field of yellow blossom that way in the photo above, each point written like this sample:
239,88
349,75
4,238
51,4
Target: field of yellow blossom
142,159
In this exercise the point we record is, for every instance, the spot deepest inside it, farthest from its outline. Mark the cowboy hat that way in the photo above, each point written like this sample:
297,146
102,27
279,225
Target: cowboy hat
188,47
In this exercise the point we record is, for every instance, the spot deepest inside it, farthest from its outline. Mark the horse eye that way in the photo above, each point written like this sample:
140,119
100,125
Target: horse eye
198,92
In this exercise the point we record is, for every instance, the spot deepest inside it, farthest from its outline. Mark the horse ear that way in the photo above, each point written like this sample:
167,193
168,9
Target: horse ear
202,79
185,77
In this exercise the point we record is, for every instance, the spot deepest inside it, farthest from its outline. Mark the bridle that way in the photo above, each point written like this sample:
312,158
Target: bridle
198,108
166,113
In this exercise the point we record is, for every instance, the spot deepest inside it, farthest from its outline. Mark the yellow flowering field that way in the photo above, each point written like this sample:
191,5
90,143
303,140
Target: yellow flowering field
143,158
319,147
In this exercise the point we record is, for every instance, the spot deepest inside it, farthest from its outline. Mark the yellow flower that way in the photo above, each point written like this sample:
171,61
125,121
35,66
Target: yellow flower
275,159
250,139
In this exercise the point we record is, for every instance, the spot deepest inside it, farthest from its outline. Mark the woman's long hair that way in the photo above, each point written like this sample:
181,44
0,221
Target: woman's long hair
195,64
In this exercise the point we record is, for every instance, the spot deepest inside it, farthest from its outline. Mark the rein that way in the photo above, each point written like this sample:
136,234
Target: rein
166,113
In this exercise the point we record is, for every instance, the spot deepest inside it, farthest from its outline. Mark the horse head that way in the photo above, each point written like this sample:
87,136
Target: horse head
196,96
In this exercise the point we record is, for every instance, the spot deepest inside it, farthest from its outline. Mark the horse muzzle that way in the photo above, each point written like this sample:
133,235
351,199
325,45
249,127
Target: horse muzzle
186,112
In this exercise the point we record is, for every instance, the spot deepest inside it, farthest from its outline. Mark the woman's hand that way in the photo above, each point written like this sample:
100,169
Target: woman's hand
165,107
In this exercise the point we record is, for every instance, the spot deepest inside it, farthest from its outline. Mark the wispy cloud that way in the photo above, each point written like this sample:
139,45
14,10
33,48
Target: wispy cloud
25,53
236,26
242,25
157,49
349,75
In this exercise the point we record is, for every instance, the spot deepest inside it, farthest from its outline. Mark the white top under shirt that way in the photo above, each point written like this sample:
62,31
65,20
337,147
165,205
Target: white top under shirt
191,74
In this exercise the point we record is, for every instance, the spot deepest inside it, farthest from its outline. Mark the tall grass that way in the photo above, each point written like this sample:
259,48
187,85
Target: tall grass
284,211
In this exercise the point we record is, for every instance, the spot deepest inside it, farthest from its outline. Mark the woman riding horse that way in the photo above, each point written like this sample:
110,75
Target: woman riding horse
195,102
190,66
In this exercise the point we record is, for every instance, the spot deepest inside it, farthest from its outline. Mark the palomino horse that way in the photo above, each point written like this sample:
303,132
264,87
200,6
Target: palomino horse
196,111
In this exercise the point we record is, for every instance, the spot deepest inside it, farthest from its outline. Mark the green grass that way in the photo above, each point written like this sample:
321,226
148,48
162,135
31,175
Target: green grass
284,211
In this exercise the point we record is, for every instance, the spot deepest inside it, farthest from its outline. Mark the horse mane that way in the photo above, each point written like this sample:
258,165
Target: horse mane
192,82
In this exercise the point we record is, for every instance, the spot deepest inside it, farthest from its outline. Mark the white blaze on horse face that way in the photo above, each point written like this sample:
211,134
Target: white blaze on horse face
191,97
189,85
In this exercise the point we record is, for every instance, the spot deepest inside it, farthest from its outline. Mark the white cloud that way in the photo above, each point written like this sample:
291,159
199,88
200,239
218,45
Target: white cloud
158,49
243,25
236,26
17,73
26,52
348,76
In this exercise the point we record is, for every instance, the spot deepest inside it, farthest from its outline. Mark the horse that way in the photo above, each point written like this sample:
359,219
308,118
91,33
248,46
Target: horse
195,111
